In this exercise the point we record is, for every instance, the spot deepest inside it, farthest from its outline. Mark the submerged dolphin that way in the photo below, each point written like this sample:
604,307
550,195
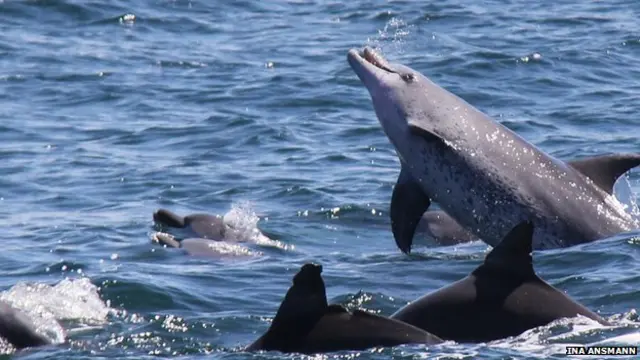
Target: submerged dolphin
481,173
18,329
502,297
305,323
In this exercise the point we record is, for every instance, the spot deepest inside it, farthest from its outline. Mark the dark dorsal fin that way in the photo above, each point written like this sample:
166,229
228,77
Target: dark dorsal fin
604,170
303,305
166,217
513,254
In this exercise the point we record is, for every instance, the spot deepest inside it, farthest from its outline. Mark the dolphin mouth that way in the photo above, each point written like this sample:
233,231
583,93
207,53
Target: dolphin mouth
369,56
375,59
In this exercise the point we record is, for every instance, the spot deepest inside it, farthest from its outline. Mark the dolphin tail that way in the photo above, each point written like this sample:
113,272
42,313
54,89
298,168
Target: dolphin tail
167,218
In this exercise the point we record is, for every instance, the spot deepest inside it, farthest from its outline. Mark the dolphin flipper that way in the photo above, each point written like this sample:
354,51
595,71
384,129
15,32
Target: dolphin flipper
408,204
604,170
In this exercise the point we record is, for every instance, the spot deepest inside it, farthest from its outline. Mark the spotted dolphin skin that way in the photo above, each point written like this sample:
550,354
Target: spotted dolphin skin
502,297
18,329
486,177
306,323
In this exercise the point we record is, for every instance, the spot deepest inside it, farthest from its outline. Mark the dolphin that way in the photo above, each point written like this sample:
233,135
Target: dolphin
18,329
306,323
206,235
481,173
502,297
199,225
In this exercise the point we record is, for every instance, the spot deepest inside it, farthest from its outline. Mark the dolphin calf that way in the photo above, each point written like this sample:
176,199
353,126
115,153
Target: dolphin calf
502,297
481,173
305,323
18,329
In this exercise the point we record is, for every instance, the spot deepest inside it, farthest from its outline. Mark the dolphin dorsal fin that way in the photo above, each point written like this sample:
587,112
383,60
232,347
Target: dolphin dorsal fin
303,305
604,170
513,253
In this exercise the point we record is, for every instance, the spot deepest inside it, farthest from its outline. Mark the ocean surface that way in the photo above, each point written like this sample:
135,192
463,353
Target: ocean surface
110,110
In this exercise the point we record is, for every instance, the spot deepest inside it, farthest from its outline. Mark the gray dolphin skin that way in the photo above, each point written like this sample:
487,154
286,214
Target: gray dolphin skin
502,297
443,228
18,329
306,323
198,225
481,173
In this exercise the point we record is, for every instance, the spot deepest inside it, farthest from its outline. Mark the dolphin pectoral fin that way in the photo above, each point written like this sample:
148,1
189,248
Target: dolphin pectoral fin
604,170
418,128
513,253
408,203
166,217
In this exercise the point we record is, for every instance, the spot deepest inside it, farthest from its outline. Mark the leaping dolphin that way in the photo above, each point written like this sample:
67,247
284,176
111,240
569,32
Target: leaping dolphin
484,175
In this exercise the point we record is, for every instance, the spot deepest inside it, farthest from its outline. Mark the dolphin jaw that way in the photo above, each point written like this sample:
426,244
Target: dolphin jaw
371,68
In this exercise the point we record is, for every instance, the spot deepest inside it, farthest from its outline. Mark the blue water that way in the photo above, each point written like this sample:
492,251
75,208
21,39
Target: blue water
112,109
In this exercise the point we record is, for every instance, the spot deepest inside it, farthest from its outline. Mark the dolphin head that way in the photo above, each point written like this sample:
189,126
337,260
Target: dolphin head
396,90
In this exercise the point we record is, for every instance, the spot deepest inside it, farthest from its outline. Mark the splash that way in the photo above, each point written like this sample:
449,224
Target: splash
243,222
45,305
552,339
391,39
626,196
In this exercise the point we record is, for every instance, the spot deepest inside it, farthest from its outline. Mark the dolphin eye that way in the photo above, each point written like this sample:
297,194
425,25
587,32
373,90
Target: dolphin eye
408,77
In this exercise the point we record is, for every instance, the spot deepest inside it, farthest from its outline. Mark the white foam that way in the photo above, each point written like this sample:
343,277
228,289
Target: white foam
242,223
45,305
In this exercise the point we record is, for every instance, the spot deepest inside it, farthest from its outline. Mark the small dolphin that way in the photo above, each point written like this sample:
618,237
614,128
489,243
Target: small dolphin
502,297
206,235
305,323
200,225
18,329
481,173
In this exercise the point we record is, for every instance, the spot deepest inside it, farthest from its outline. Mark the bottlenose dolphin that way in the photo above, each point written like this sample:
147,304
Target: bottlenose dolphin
18,329
481,173
502,297
305,323
199,225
